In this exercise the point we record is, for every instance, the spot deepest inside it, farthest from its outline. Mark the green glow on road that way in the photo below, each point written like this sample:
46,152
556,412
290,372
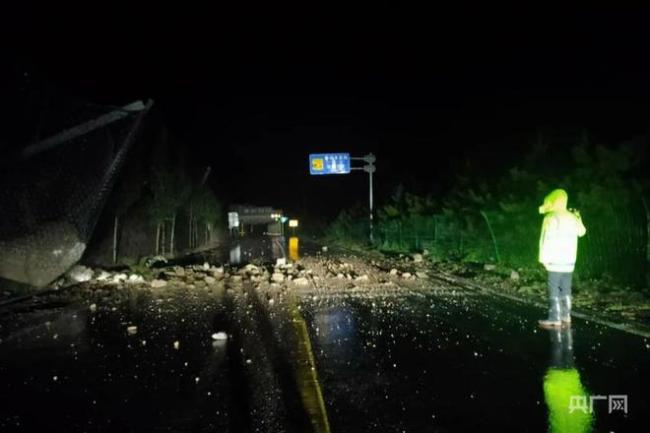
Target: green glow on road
562,390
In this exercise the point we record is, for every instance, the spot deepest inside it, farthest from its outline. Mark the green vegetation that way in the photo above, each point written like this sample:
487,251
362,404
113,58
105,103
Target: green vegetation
496,220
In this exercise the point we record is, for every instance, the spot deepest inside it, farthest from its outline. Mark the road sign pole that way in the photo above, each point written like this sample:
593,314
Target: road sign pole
370,168
372,238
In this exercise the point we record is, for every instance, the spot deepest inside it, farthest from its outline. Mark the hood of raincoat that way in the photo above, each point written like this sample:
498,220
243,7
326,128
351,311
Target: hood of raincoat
555,201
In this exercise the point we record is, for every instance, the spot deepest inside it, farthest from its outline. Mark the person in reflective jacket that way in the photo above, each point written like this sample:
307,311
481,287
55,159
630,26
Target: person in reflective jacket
558,248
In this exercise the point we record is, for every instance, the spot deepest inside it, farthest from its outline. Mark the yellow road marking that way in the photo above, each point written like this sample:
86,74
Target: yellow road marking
308,384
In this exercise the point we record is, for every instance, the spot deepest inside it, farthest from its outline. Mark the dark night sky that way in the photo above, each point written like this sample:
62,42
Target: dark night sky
254,92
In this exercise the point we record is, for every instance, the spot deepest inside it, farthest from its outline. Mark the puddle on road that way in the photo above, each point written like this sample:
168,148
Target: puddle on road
241,251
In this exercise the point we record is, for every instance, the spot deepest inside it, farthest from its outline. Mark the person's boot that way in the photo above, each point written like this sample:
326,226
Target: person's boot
565,310
553,320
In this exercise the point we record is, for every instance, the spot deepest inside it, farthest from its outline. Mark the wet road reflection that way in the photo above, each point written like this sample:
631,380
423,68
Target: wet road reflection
258,250
459,362
563,387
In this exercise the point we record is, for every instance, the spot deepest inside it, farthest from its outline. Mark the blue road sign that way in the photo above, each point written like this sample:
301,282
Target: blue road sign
329,163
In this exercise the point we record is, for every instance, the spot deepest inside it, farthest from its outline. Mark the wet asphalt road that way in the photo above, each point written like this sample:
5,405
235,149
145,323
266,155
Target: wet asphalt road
430,362
439,359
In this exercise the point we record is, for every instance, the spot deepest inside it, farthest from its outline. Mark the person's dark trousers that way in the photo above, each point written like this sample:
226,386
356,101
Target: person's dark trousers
559,296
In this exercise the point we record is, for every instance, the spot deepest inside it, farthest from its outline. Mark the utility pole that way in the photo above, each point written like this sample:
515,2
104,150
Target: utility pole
369,168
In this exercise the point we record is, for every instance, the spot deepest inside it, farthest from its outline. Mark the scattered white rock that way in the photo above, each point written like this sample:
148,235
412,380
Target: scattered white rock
394,271
340,276
417,258
251,269
92,308
80,274
206,266
150,261
281,261
179,271
514,275
217,271
236,278
324,249
156,284
362,278
425,253
489,267
220,336
132,330
422,275
406,275
135,279
301,281
277,277
102,275
118,278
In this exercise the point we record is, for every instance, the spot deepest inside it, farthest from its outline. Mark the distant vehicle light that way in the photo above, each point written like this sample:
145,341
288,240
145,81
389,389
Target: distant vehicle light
293,223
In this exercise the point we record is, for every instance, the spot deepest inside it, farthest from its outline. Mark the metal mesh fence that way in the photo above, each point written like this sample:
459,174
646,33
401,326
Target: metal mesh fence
444,236
615,245
53,193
